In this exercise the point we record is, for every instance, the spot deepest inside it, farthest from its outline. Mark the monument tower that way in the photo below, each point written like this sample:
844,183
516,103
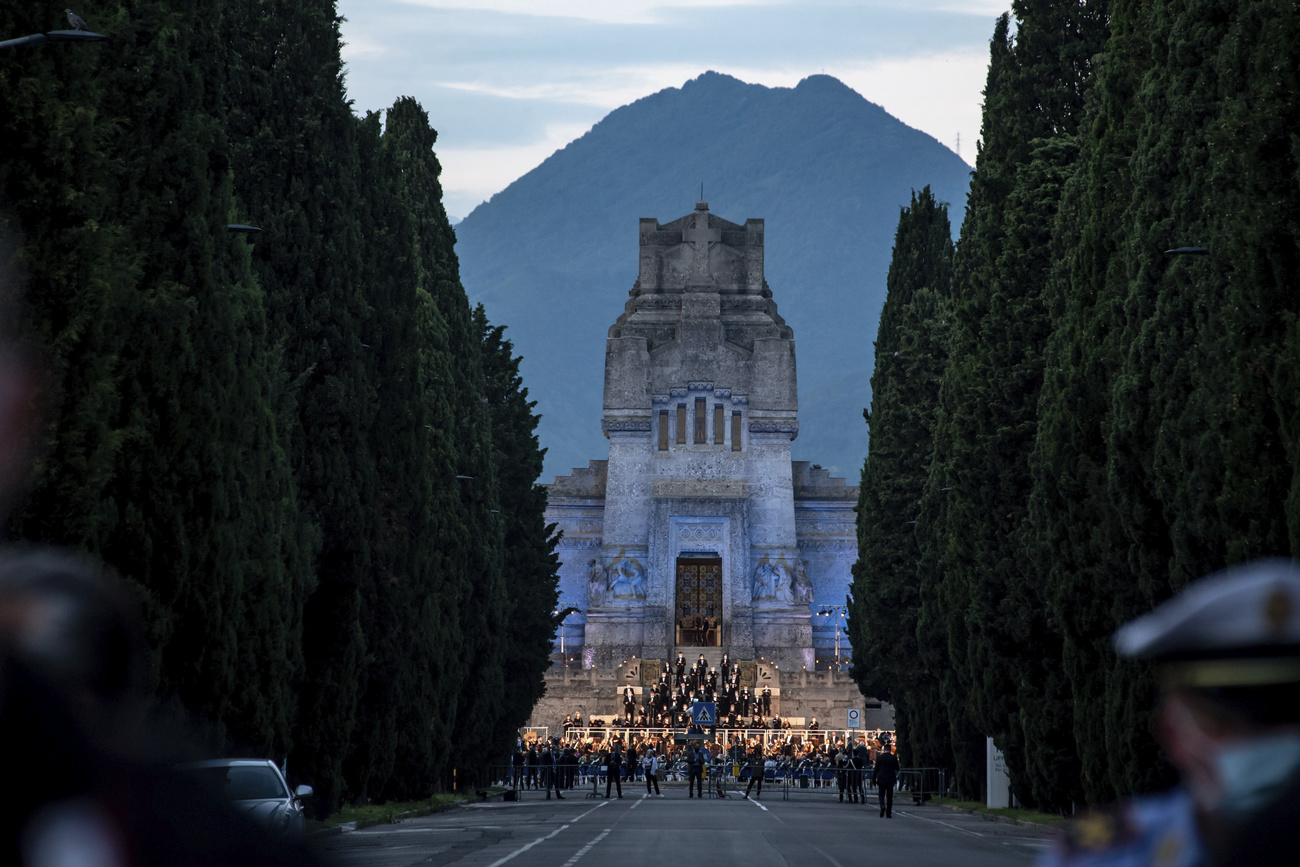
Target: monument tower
699,533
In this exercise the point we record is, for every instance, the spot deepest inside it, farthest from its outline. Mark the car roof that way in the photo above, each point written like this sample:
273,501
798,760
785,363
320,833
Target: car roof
228,763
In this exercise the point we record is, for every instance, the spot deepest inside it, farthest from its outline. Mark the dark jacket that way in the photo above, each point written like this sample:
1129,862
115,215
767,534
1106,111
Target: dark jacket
886,769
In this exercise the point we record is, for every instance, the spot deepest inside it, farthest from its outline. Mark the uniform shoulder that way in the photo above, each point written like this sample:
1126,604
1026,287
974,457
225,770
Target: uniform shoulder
1155,830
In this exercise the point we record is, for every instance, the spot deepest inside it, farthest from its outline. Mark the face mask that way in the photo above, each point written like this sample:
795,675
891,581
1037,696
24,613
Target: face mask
1254,772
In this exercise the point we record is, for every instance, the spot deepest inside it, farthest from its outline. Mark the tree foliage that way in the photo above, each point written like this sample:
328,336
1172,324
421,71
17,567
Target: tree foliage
287,444
1113,421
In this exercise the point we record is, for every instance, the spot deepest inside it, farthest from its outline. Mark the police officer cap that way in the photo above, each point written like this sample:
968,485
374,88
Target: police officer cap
1238,627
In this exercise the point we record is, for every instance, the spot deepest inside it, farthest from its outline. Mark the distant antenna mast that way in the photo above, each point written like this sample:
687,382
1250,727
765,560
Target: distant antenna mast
701,191
959,144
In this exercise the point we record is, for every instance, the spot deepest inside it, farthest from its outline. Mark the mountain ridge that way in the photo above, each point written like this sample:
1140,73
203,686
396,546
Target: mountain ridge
553,254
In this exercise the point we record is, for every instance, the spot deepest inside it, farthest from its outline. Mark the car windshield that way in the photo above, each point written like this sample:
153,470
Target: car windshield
245,782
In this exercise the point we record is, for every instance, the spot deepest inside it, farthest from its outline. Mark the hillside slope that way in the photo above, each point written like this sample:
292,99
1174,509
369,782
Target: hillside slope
553,255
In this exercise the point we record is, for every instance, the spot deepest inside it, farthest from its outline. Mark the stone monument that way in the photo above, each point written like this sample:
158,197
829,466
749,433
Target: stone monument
699,533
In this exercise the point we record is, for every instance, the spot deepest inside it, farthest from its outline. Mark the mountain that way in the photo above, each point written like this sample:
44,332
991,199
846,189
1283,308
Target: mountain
553,255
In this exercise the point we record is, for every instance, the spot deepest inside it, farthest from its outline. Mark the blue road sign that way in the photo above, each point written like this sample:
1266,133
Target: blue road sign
704,713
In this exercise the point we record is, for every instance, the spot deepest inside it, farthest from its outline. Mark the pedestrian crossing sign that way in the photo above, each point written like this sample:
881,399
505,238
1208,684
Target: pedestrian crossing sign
704,713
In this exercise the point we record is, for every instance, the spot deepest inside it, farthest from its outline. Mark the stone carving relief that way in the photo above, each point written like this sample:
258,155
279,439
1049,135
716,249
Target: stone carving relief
625,579
622,581
773,582
596,583
802,588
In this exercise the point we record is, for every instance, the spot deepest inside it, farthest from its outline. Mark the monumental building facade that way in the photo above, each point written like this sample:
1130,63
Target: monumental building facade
699,533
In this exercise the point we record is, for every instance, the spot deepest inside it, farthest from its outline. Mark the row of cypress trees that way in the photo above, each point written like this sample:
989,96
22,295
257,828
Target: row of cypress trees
311,459
1068,425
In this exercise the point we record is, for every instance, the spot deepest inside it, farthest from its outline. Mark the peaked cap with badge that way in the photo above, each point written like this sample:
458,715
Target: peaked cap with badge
1236,628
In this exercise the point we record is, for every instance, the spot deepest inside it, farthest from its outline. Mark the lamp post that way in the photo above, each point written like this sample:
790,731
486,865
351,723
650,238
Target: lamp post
558,617
839,612
55,36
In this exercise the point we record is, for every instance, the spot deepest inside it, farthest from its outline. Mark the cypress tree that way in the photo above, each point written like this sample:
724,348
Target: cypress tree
294,152
1004,652
531,566
886,591
166,456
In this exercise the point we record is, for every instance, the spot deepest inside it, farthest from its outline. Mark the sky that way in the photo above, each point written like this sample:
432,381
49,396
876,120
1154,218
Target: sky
508,82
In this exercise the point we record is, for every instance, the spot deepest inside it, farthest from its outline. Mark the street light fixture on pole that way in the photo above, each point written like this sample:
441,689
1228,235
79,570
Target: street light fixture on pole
55,36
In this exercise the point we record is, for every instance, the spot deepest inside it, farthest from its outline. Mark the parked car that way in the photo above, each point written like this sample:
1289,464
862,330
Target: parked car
257,786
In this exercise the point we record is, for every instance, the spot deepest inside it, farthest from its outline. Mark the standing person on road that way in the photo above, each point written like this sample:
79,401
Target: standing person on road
886,779
651,766
551,764
695,766
755,773
614,772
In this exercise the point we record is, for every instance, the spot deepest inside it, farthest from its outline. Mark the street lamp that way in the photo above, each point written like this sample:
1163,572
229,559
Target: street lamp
559,616
55,36
838,611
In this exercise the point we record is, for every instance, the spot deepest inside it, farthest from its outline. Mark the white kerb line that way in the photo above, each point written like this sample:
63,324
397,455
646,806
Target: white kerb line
522,849
937,822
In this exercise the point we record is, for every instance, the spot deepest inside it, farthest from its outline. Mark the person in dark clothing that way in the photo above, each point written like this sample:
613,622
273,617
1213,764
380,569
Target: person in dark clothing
630,763
530,760
517,768
552,762
614,769
860,758
886,779
755,773
695,764
842,774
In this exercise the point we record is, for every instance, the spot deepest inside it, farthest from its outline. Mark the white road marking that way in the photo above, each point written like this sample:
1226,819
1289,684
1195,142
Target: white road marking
638,803
585,849
757,804
834,863
945,824
522,849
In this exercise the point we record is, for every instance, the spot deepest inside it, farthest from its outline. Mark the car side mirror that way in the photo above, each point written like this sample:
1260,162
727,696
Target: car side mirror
302,792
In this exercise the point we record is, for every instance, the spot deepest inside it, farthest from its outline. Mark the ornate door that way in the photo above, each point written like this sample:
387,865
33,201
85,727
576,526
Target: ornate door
699,602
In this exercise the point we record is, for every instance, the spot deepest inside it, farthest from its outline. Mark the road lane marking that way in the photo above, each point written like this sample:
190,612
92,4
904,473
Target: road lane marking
638,803
592,810
945,824
522,849
834,863
585,849
757,804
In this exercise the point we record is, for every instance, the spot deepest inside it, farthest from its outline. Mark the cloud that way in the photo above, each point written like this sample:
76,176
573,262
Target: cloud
587,10
471,175
508,82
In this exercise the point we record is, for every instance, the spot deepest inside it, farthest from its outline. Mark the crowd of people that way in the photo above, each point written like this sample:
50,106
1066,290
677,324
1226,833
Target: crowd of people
851,767
668,703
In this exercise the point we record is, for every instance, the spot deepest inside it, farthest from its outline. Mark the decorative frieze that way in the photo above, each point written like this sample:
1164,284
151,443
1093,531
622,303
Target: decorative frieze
699,532
790,427
579,542
641,425
839,545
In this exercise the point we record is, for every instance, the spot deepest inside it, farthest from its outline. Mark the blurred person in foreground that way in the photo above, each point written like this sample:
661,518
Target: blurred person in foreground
1227,655
72,692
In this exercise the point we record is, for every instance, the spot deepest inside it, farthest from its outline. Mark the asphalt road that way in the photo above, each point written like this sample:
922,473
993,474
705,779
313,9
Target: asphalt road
810,829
